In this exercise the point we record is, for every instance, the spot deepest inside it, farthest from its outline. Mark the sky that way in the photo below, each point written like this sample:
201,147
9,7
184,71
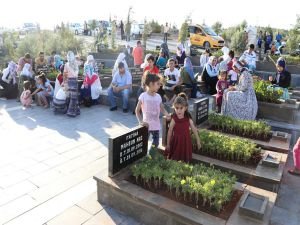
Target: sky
49,13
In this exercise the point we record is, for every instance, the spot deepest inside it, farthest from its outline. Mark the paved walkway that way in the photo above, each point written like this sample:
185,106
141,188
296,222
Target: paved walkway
47,163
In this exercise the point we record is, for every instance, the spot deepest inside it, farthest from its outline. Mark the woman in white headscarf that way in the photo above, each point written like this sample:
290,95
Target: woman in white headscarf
180,54
121,58
9,82
240,101
145,63
91,87
90,62
71,73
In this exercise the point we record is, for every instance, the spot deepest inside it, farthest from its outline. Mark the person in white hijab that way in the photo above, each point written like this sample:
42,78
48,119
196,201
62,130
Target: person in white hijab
145,63
9,81
121,58
91,62
180,54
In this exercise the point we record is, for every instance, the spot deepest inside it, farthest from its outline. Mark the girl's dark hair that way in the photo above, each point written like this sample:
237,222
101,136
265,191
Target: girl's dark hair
62,68
27,84
151,78
43,78
182,99
150,57
231,53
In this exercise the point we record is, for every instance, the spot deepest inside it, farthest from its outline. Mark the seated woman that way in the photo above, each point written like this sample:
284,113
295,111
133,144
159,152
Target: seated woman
91,87
240,101
44,91
60,93
9,81
180,54
282,79
210,72
161,61
188,77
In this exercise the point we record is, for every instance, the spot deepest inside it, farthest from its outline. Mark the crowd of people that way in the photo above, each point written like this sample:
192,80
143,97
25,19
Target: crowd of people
163,81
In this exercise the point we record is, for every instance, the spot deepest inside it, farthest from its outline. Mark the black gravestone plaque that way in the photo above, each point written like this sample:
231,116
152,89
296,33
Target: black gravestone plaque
127,148
200,113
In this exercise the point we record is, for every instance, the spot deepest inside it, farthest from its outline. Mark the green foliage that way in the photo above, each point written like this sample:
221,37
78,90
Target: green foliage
155,27
217,27
217,53
228,148
265,94
184,32
290,60
93,25
294,36
244,128
128,22
147,31
214,187
47,41
10,40
238,42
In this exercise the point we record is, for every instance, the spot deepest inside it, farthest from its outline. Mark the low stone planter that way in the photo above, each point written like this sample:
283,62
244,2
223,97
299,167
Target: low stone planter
288,113
270,160
153,209
276,144
262,176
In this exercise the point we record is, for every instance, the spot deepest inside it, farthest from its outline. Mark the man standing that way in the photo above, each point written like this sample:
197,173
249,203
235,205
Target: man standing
166,31
40,63
138,54
121,86
278,37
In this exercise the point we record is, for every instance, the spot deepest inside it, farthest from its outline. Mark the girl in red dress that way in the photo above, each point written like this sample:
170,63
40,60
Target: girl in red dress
179,141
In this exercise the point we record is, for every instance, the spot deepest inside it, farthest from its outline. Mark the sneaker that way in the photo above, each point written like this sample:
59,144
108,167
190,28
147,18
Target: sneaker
125,110
113,108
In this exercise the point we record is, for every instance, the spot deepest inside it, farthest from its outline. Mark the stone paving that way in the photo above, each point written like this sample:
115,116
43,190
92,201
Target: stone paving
47,163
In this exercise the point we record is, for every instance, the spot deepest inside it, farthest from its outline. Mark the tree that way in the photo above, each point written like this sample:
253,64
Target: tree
238,43
128,24
217,27
184,32
146,33
113,34
294,36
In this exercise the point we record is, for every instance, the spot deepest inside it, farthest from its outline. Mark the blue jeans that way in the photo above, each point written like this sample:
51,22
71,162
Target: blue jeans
124,94
155,137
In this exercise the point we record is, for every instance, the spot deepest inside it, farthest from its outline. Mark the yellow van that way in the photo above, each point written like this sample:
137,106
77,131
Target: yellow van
202,36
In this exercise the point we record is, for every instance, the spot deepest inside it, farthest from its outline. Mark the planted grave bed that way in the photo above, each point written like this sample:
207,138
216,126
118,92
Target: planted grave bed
258,132
229,149
203,188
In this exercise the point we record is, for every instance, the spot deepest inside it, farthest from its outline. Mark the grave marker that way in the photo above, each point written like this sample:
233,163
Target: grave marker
126,149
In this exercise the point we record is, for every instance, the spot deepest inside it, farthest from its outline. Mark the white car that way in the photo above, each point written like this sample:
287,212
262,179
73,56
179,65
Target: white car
77,28
137,30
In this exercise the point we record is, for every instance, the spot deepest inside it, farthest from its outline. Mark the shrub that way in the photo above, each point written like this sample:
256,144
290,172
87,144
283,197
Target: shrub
244,128
265,94
228,148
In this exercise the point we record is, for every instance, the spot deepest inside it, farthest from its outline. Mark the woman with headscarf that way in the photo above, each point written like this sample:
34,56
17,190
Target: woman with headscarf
211,71
240,101
121,58
282,79
180,54
165,49
9,81
71,73
145,63
91,87
91,63
60,89
188,77
57,61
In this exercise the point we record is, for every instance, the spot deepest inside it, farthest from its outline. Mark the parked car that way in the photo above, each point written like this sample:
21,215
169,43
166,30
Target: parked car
137,30
77,28
28,27
202,36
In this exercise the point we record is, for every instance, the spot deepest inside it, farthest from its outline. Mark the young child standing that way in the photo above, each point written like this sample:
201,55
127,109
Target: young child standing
179,141
151,105
222,84
25,97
